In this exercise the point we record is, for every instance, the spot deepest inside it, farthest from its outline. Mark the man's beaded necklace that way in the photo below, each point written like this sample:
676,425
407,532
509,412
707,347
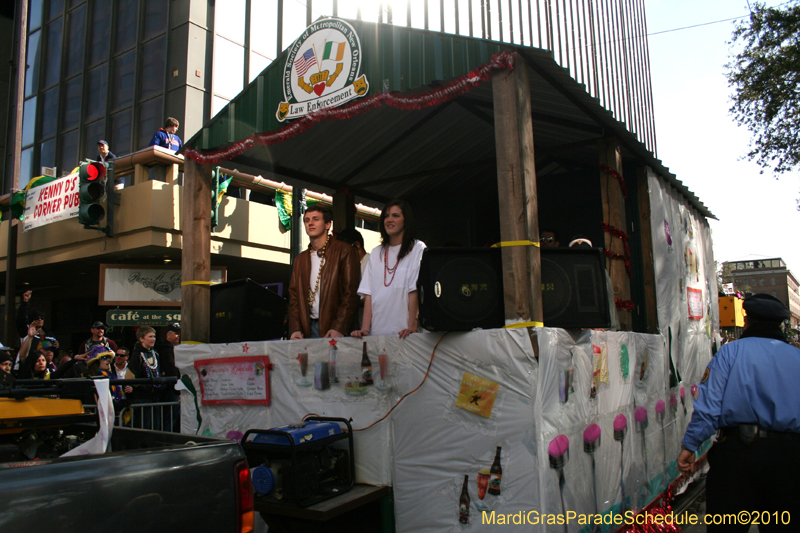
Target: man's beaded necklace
321,253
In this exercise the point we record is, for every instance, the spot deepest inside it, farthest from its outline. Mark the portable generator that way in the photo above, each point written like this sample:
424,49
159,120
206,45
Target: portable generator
300,464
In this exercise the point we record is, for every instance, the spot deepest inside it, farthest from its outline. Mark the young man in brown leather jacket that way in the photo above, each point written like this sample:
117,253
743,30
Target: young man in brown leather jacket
323,292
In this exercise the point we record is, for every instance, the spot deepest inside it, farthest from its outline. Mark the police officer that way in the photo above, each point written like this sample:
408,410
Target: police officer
750,393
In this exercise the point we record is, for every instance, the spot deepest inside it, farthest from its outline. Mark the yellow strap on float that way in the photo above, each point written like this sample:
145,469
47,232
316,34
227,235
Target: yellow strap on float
196,283
504,244
525,325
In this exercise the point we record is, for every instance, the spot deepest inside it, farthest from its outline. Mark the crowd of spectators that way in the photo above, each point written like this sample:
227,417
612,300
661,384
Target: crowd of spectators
40,357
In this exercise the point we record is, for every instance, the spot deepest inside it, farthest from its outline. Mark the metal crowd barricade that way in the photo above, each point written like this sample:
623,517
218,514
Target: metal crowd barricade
162,416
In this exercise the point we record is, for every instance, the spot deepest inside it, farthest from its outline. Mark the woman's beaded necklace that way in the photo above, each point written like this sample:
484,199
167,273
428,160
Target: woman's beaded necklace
321,253
386,269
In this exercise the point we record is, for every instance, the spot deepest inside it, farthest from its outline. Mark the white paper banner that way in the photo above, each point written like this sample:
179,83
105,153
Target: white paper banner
58,200
98,444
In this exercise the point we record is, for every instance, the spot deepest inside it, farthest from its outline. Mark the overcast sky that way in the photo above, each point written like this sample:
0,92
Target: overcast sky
699,141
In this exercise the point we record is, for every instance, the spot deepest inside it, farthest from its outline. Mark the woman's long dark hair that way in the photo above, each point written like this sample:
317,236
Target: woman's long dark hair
409,231
26,368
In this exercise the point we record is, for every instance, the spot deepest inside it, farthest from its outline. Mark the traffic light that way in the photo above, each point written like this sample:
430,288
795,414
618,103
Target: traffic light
92,191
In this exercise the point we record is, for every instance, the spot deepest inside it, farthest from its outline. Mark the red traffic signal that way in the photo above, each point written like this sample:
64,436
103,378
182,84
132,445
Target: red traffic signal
93,172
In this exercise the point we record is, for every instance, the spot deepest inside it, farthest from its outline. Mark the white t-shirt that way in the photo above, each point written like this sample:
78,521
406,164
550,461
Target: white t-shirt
390,304
316,261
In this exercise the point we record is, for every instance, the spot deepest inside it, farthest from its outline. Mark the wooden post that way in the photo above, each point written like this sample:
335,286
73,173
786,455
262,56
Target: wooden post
196,252
344,211
141,174
172,173
614,215
516,185
646,240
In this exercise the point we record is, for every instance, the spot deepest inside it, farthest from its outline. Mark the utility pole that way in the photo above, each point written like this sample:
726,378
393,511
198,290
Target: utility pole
11,337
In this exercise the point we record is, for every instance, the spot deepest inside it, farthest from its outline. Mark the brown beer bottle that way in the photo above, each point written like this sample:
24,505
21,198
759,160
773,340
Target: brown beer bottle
463,503
495,475
366,367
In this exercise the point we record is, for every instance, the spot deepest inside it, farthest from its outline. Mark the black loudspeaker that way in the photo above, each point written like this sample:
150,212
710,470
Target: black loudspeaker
574,290
460,289
243,310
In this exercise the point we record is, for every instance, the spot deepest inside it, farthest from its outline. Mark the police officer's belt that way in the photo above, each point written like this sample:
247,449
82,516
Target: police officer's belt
749,433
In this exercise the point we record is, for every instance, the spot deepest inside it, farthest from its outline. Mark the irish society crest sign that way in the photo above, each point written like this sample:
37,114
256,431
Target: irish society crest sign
323,70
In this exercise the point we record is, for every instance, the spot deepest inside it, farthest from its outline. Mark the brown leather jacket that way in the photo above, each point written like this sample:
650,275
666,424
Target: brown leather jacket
338,290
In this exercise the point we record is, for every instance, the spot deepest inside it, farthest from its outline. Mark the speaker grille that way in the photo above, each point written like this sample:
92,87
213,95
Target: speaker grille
460,289
467,290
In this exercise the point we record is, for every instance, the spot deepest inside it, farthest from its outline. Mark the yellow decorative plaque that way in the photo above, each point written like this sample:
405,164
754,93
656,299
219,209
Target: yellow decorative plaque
477,395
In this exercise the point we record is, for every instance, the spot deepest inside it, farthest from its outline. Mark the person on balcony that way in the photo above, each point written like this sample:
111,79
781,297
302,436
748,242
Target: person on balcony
104,154
322,292
166,138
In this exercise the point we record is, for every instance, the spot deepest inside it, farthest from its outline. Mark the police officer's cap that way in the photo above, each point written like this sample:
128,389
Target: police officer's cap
765,307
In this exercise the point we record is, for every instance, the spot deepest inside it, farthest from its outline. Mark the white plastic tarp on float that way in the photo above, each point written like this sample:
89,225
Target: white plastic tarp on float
686,283
428,443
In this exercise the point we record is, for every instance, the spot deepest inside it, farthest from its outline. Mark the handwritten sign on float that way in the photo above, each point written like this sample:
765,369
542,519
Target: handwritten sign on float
234,380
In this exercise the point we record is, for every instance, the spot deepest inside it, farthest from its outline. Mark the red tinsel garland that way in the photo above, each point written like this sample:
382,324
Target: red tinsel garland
614,174
664,510
619,234
439,95
625,305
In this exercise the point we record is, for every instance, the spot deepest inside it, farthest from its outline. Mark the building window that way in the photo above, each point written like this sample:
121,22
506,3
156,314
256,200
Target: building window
34,62
52,70
120,135
35,15
49,113
99,36
26,167
77,30
69,151
28,122
47,156
123,80
56,9
150,119
91,134
127,11
155,18
264,37
229,18
772,281
153,64
72,102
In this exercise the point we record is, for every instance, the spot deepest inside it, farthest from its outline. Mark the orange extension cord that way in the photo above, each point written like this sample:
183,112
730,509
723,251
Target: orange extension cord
427,371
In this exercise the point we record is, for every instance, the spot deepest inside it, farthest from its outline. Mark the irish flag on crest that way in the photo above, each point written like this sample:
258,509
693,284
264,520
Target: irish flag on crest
333,51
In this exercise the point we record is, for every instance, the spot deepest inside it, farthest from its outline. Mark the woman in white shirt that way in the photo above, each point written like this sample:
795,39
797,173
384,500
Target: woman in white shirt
389,283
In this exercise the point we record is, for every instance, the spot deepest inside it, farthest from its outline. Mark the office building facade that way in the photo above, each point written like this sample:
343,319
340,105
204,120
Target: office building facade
115,69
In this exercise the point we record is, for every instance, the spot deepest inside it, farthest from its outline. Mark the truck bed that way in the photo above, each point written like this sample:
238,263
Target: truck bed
151,481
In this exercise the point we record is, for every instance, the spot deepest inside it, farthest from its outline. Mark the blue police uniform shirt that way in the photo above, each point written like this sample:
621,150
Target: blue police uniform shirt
750,381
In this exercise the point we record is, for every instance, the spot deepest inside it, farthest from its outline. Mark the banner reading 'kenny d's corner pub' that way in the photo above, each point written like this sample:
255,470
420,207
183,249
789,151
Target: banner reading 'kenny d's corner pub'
54,201
323,70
